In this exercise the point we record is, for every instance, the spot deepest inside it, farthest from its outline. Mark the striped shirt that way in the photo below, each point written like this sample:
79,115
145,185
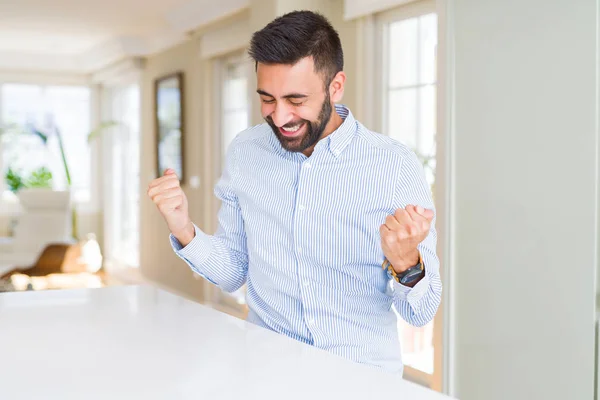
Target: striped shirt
303,234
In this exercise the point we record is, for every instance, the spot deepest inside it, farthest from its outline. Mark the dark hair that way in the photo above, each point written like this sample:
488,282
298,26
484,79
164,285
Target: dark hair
293,36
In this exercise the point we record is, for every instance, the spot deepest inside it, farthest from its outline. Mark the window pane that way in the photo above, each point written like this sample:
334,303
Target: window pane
235,94
234,122
427,120
427,130
70,108
234,107
402,116
130,192
21,104
236,70
427,48
123,171
402,53
417,345
47,108
25,153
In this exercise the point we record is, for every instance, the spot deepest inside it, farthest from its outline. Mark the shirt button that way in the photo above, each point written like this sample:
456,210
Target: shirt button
310,321
307,165
336,152
299,250
306,284
301,207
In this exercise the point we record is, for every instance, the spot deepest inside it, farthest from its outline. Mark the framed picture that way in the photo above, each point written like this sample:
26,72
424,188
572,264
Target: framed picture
169,106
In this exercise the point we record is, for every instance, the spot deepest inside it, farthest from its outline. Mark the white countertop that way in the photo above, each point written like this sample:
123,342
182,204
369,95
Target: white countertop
138,342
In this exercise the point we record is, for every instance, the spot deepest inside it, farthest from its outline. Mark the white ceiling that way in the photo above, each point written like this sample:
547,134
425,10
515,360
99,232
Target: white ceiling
73,26
88,34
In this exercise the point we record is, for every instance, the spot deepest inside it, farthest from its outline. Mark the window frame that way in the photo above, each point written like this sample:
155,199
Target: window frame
219,65
375,26
411,10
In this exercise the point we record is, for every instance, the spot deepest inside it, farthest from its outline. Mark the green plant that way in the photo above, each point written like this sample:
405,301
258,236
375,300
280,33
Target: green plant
44,139
100,129
14,180
40,178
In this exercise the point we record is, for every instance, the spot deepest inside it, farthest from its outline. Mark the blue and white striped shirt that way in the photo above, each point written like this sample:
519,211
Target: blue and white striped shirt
303,233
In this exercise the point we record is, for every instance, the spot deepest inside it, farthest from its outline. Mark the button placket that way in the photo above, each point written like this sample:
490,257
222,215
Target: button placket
301,207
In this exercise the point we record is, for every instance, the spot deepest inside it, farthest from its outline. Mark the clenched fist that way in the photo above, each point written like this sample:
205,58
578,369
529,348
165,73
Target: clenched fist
172,203
402,233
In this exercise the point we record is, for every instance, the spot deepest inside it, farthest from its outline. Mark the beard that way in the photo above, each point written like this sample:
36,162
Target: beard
314,129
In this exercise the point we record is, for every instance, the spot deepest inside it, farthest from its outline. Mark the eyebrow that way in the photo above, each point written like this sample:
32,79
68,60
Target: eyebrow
287,96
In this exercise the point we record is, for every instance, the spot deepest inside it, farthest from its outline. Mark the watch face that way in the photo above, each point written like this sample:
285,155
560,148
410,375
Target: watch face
412,274
411,270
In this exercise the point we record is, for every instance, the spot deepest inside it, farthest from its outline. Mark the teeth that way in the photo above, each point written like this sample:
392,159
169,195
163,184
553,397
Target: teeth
292,129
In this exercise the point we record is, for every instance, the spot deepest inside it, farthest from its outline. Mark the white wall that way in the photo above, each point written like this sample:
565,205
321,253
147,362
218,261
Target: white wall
525,198
158,262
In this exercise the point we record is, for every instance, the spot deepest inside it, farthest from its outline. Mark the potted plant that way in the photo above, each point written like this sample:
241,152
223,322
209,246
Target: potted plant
39,182
14,178
34,191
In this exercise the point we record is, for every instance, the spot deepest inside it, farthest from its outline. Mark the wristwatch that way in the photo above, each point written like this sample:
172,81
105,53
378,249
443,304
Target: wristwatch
409,276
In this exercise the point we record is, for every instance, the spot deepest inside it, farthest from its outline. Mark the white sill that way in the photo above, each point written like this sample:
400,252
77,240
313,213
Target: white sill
9,206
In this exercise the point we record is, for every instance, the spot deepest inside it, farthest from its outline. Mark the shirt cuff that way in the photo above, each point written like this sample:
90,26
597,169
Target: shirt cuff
411,294
197,251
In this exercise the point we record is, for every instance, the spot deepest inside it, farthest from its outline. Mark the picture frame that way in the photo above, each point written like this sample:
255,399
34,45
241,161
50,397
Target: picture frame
169,123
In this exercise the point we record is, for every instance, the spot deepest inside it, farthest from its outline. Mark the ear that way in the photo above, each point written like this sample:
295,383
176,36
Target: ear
336,88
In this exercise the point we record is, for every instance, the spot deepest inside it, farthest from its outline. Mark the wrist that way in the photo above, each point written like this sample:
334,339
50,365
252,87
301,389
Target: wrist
409,260
408,277
185,235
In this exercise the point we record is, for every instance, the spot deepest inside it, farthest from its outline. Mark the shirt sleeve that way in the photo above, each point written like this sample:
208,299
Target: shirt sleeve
419,304
221,258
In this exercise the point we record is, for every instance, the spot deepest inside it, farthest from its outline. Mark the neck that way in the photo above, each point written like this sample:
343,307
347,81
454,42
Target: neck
334,122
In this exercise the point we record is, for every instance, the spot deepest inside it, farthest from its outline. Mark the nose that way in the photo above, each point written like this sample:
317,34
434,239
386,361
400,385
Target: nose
281,115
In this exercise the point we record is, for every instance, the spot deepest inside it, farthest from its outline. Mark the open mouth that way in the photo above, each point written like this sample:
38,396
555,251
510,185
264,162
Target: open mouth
292,131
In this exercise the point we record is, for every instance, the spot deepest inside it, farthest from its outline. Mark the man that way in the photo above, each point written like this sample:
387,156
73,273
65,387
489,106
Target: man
313,206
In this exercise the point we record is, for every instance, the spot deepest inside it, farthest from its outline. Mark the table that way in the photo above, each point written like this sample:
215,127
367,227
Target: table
140,342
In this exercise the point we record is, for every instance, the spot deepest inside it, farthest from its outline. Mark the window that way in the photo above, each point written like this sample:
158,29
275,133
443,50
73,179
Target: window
408,113
49,109
410,95
235,105
121,104
232,117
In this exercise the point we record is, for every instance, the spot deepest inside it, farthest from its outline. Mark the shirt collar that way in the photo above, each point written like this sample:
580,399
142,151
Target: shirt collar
342,136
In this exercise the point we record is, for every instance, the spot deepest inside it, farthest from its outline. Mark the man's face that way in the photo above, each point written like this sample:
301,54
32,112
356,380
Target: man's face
294,103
